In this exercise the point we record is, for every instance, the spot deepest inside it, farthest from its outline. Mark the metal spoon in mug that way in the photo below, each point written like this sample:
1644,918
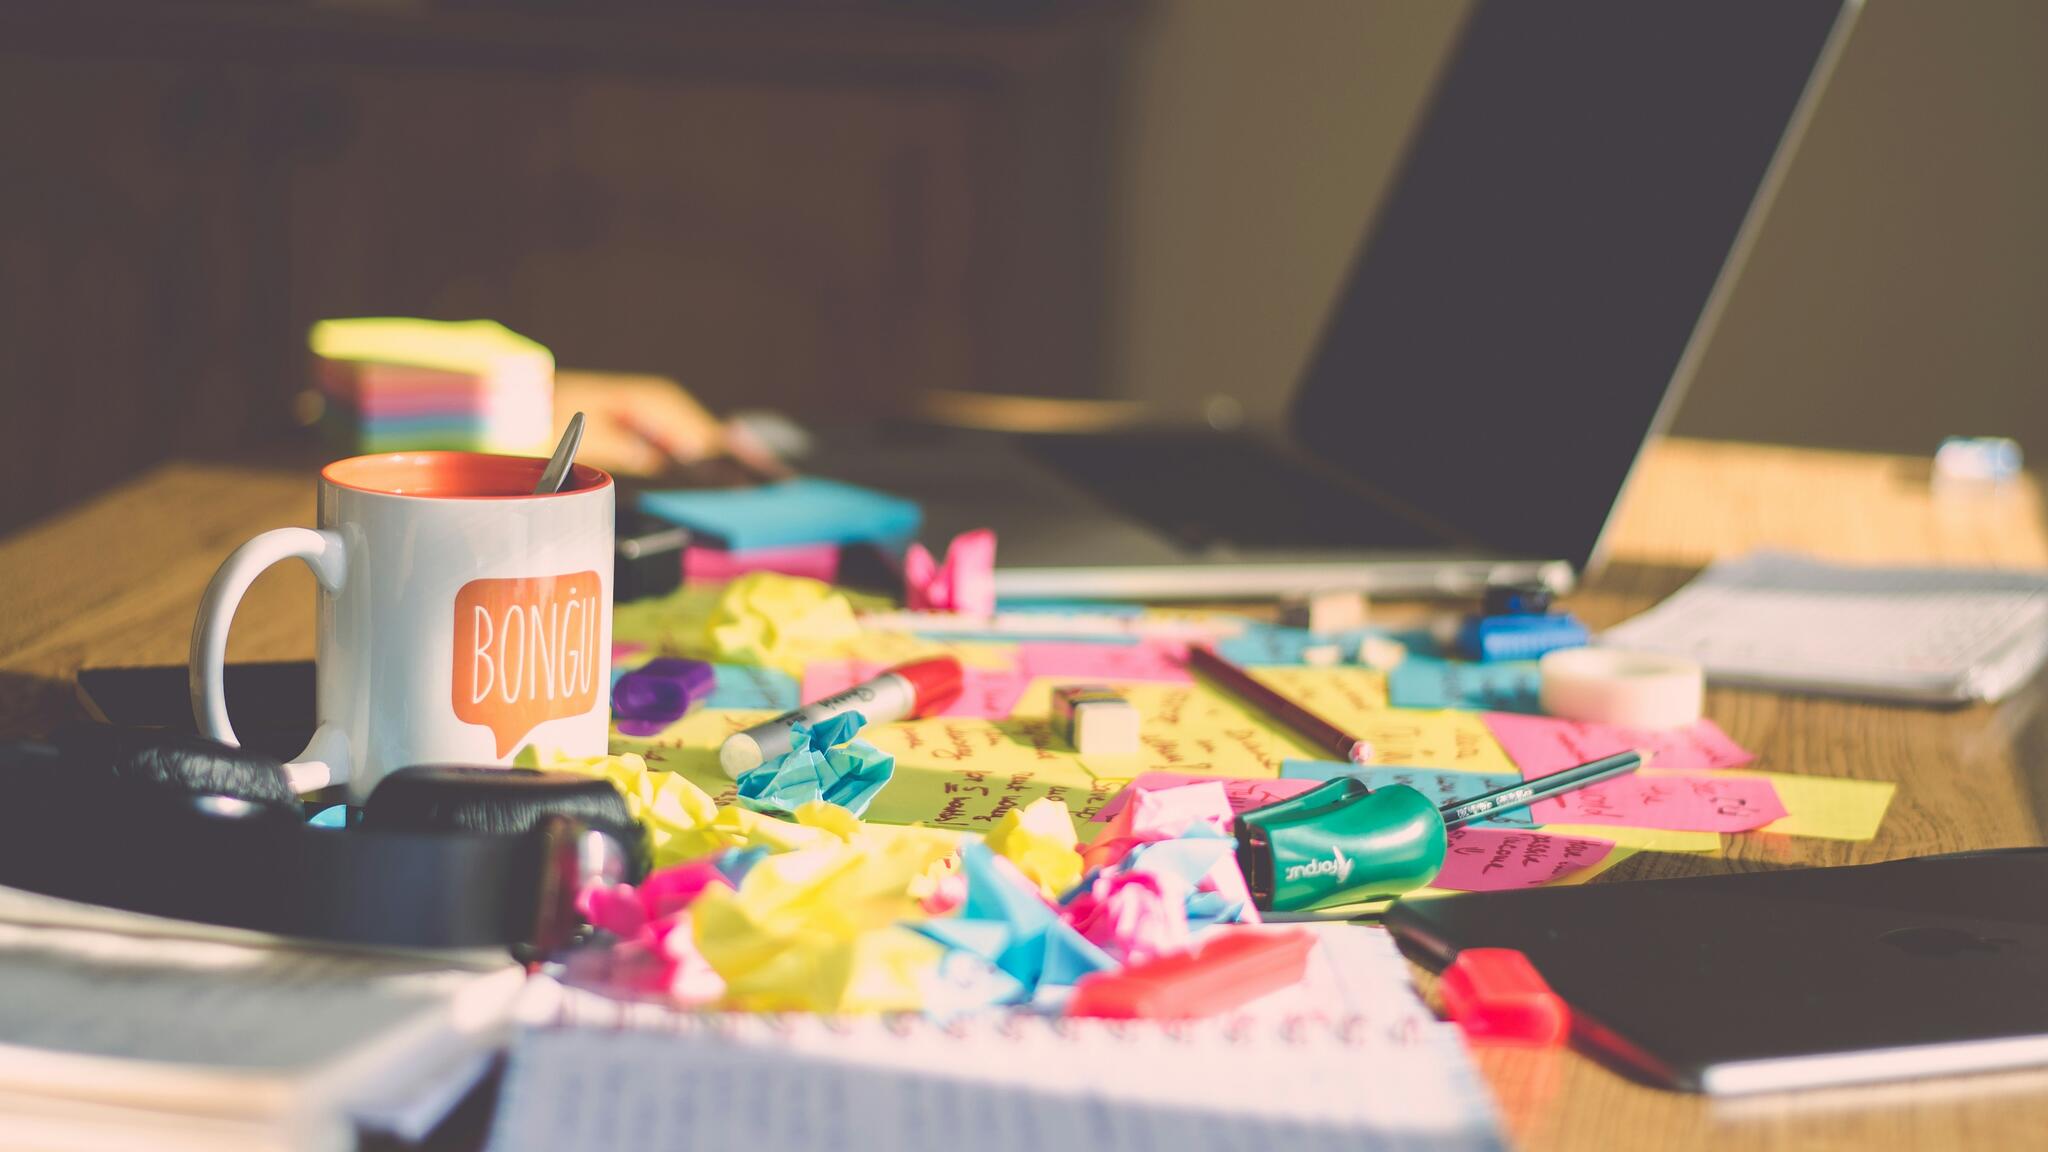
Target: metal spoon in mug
558,465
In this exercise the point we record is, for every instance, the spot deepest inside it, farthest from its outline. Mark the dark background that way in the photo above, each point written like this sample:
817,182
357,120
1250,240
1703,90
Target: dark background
843,205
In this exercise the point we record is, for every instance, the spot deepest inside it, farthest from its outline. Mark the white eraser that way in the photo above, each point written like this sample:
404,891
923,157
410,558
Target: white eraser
1382,652
1095,720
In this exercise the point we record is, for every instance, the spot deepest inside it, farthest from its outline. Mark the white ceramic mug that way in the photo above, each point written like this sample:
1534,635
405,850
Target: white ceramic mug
460,615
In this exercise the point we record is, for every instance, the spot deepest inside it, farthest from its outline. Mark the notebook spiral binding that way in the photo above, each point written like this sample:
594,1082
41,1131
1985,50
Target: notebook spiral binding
590,1010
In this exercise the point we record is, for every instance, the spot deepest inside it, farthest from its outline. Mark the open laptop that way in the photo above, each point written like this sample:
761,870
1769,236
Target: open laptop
1573,209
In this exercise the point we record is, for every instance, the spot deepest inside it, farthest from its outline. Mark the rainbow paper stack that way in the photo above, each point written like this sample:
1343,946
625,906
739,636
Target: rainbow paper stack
396,385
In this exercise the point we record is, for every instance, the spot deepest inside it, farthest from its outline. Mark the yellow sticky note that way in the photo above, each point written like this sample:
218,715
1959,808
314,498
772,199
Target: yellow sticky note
1432,738
970,743
1826,807
1642,839
1345,696
1184,728
967,774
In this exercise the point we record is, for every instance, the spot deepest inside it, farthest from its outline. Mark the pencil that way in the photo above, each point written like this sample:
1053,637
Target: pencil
1316,730
1459,813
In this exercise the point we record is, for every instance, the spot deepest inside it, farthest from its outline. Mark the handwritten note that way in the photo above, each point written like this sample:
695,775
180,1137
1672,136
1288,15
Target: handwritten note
1500,686
1185,728
1441,785
1540,745
1680,801
1111,662
1432,739
1826,807
1489,860
1245,793
973,800
1344,696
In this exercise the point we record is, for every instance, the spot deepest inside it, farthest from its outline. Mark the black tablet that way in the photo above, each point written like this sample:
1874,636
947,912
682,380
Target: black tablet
1768,981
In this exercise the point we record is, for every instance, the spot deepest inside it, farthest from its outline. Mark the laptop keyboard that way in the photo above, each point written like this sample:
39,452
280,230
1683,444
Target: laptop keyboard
1208,490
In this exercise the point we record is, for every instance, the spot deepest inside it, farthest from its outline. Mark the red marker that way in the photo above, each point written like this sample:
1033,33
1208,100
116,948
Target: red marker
919,688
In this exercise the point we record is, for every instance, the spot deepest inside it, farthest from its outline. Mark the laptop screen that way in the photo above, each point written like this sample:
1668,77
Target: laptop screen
1523,301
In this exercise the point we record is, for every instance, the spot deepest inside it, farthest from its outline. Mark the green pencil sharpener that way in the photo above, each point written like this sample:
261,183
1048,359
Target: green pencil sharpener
1340,842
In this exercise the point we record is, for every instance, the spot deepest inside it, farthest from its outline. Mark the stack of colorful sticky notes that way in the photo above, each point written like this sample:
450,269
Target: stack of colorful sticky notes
394,384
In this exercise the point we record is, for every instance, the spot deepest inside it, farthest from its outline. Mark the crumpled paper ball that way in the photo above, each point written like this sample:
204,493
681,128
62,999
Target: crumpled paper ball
965,583
824,764
769,618
1039,839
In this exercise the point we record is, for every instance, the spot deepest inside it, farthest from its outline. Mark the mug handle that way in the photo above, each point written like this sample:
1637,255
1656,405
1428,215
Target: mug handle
326,759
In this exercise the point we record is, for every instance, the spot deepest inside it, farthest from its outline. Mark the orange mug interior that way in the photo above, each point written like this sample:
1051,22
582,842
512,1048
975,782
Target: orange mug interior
454,475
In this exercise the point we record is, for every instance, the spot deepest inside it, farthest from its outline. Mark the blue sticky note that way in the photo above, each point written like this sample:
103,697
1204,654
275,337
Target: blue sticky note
1499,686
752,686
1442,785
1269,644
803,510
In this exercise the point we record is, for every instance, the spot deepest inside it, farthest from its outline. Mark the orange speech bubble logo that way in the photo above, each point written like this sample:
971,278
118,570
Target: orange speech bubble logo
526,650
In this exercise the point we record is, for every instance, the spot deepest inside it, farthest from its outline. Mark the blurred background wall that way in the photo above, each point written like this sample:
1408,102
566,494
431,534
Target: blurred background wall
844,203
1898,292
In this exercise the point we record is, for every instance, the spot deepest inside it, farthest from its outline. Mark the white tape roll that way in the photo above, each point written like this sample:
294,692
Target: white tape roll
1634,689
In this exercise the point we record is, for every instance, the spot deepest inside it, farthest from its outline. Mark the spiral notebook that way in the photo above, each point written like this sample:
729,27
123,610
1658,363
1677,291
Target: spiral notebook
1352,1059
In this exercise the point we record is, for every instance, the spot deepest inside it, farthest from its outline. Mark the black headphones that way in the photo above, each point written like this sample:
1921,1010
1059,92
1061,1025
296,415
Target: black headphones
442,856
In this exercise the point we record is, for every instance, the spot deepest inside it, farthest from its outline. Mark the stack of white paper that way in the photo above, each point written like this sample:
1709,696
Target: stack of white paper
1775,620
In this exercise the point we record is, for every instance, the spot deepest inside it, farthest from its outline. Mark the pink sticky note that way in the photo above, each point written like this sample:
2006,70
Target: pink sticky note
716,565
1540,745
824,678
623,649
1244,794
985,693
1146,661
1490,859
1674,801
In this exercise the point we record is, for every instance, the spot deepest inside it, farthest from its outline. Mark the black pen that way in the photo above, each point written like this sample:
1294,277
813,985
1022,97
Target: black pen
1459,813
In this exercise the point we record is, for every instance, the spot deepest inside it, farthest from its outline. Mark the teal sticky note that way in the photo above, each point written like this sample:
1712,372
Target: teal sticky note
1267,645
1443,785
803,510
1495,686
752,686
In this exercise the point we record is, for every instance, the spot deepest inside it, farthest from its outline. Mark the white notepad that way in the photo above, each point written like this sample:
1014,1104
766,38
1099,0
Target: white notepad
116,1040
1351,1061
1776,620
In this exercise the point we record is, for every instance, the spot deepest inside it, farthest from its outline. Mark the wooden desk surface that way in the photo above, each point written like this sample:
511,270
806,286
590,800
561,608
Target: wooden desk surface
117,581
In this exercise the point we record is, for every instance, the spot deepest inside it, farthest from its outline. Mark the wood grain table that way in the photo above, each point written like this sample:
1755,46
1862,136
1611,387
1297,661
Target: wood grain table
117,581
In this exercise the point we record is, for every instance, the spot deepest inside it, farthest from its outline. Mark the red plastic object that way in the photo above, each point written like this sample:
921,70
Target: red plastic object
1498,997
935,682
1233,968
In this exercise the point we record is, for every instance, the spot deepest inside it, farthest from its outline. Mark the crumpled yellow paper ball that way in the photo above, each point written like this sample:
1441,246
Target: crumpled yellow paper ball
817,929
1039,839
769,618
